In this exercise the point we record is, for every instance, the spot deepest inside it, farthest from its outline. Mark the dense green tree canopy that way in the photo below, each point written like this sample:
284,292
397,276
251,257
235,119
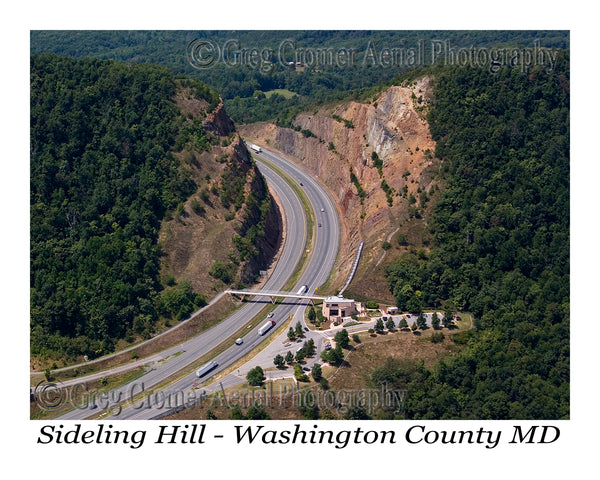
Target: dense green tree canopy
501,231
241,83
103,174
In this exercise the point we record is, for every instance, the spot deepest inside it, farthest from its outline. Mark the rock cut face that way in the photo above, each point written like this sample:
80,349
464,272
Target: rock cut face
387,140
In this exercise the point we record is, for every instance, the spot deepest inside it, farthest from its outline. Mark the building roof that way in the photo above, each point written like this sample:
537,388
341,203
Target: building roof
338,299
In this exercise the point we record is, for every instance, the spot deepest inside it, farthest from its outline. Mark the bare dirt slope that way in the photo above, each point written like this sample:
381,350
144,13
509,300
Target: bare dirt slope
333,141
202,230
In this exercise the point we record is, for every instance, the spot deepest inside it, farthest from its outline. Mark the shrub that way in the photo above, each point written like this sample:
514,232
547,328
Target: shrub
437,337
197,207
221,271
372,305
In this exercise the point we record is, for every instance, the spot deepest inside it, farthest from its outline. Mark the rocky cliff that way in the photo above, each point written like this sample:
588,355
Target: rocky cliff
230,228
218,122
373,158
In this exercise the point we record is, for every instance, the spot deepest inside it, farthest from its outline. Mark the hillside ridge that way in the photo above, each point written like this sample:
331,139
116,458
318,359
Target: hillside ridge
119,154
383,148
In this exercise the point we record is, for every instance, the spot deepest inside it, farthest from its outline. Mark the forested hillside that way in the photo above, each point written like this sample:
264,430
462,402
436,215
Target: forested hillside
106,168
242,82
501,251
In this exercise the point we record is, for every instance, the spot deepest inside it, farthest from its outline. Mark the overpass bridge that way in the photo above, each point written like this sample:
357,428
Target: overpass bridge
273,294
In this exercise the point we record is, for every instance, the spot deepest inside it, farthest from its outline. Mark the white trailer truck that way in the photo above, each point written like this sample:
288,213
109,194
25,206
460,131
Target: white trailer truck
266,327
303,290
206,368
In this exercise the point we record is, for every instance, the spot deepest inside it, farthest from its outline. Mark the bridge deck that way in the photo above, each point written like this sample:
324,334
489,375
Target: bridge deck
273,294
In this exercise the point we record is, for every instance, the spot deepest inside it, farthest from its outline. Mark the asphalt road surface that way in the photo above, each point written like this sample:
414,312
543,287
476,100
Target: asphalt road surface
117,404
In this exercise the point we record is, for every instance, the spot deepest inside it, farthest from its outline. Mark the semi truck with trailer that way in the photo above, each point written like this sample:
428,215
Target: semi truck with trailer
303,290
266,327
206,368
256,148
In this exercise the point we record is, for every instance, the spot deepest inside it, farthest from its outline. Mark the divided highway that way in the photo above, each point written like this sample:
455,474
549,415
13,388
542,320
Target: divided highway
321,260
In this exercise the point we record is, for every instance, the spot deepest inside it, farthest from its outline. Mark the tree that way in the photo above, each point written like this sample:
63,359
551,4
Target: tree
309,347
335,356
357,412
179,301
390,324
299,373
355,338
448,319
403,292
414,303
255,376
291,334
279,361
221,271
421,321
289,358
236,413
300,355
341,338
435,321
316,372
379,326
257,412
298,330
312,315
403,323
324,383
309,412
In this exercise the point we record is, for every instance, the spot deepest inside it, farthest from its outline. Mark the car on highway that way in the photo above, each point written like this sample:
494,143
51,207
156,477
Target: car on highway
239,341
322,209
270,315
